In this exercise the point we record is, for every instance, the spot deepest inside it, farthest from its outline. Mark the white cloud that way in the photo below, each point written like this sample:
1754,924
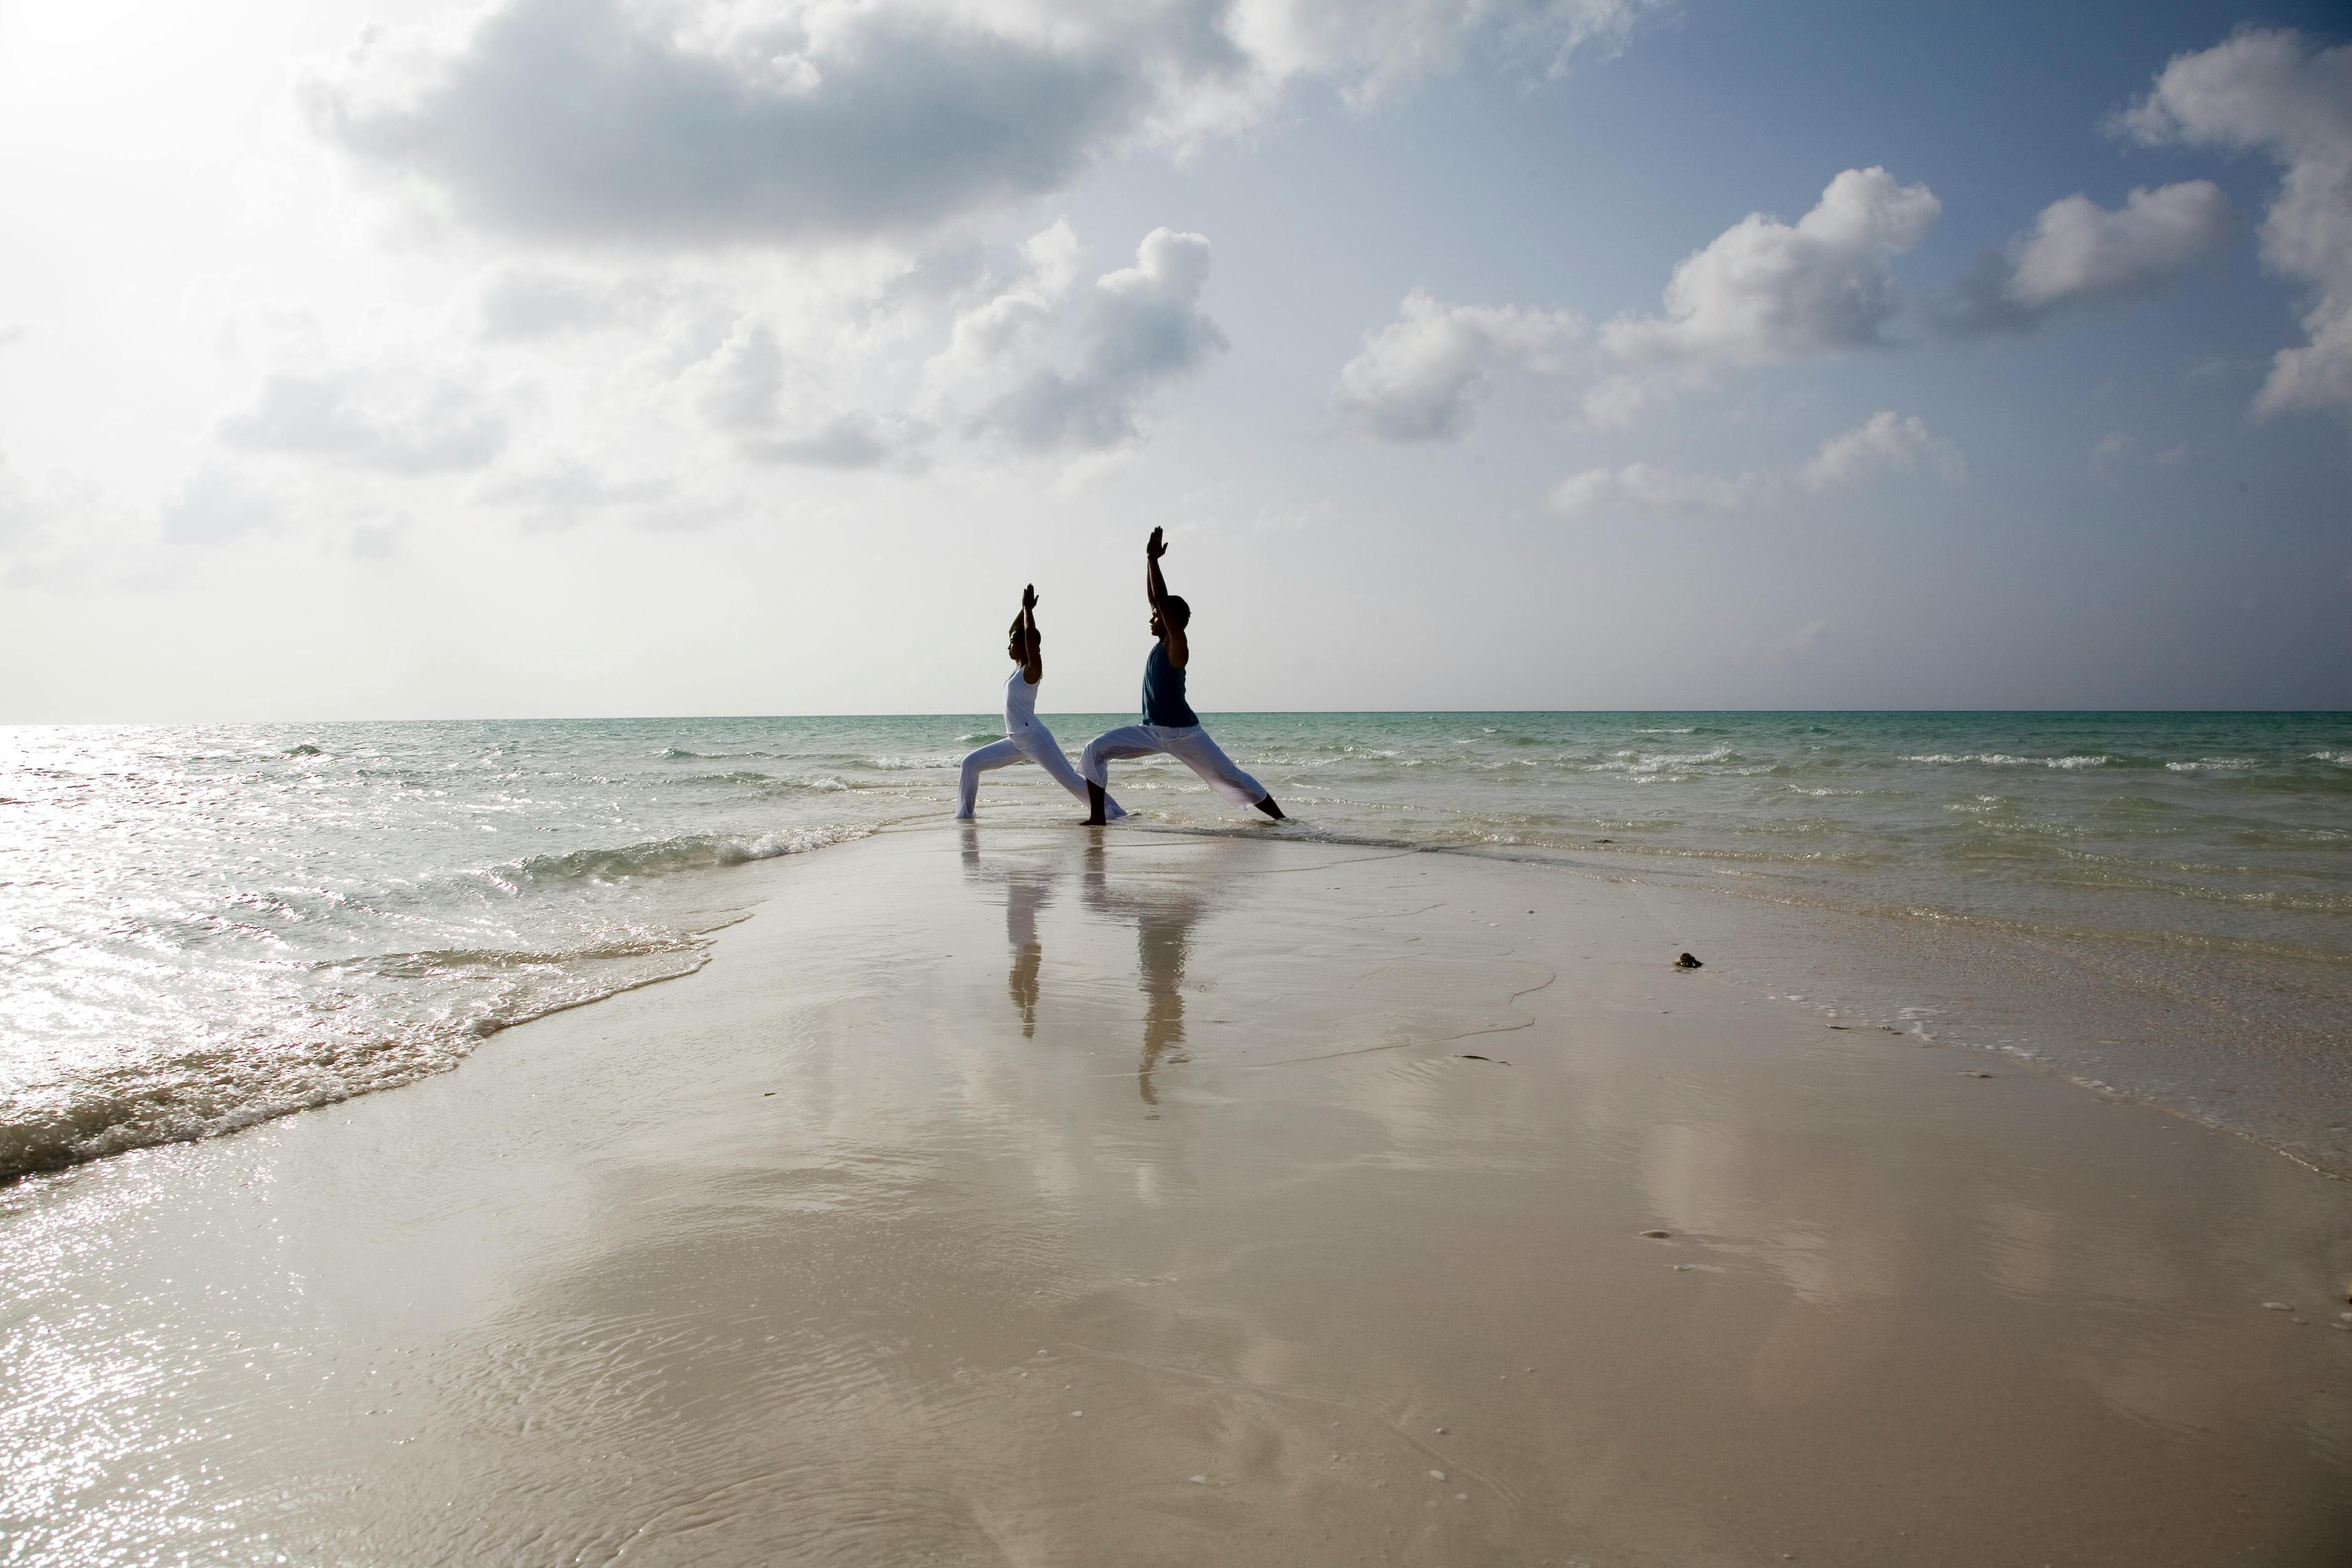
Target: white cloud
1045,366
517,304
1765,290
943,271
377,540
852,438
737,386
1377,45
1039,361
1637,488
597,119
394,424
1420,377
216,505
1883,441
2274,92
2079,251
565,488
774,412
669,121
2079,254
60,531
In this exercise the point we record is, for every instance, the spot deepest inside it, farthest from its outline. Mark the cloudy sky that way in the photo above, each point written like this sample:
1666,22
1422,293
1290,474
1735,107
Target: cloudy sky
556,357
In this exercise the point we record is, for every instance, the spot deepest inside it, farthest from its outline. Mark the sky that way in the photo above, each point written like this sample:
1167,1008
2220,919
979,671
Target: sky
552,358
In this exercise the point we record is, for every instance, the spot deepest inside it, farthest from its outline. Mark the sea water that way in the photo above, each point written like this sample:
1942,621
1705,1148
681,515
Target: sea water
203,927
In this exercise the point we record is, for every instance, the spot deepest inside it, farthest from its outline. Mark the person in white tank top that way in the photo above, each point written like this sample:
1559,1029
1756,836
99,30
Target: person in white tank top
1025,738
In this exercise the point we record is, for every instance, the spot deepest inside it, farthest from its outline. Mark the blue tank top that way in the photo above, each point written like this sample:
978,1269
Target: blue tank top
1163,692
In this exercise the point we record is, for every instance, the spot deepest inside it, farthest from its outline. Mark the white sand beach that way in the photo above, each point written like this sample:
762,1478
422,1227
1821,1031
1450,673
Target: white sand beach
1026,1195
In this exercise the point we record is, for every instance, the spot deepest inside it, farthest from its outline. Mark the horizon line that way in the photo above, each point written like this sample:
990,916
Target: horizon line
1224,712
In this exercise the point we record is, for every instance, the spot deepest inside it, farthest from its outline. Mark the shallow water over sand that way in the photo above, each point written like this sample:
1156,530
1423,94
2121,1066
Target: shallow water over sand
203,928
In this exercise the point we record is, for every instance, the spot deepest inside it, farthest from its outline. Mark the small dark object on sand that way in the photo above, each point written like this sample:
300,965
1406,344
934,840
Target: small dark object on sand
1687,962
1657,1235
1473,1057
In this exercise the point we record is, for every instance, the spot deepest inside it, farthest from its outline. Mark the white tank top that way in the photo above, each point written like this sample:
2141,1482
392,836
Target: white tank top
1019,702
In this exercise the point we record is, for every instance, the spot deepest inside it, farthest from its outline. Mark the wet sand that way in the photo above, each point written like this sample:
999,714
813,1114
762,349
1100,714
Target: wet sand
1034,1197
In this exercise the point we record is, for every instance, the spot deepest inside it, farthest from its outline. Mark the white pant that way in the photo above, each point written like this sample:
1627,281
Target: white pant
1189,745
1034,743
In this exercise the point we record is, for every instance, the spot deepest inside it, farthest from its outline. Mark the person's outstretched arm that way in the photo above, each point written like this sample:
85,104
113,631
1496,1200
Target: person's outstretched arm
1033,652
1156,588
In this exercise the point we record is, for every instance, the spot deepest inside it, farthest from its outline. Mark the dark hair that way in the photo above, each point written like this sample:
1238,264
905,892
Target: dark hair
1177,611
1016,633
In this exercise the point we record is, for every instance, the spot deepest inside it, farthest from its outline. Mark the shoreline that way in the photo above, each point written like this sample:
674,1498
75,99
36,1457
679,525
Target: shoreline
1286,1156
1728,916
2151,906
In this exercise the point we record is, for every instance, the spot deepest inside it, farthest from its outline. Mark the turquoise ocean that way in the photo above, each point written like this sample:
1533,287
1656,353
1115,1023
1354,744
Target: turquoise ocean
204,927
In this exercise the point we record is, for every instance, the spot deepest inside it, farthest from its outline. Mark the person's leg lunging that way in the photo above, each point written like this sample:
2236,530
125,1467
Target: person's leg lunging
997,754
1037,743
1197,751
1094,763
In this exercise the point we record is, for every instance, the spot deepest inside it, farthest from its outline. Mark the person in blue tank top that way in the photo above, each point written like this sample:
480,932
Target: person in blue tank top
1169,726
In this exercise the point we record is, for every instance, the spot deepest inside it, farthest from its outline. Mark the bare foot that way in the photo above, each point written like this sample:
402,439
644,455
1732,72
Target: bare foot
1271,809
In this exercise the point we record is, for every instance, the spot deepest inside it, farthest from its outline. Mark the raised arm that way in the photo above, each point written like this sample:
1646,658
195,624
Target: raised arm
1033,652
1156,588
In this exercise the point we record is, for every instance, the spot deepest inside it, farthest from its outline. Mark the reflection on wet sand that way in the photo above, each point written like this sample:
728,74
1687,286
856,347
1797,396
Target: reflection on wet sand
1164,917
1027,891
802,1260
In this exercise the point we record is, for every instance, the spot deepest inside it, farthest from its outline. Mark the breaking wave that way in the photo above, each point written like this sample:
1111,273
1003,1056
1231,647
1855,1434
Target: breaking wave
2003,759
687,852
239,1078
